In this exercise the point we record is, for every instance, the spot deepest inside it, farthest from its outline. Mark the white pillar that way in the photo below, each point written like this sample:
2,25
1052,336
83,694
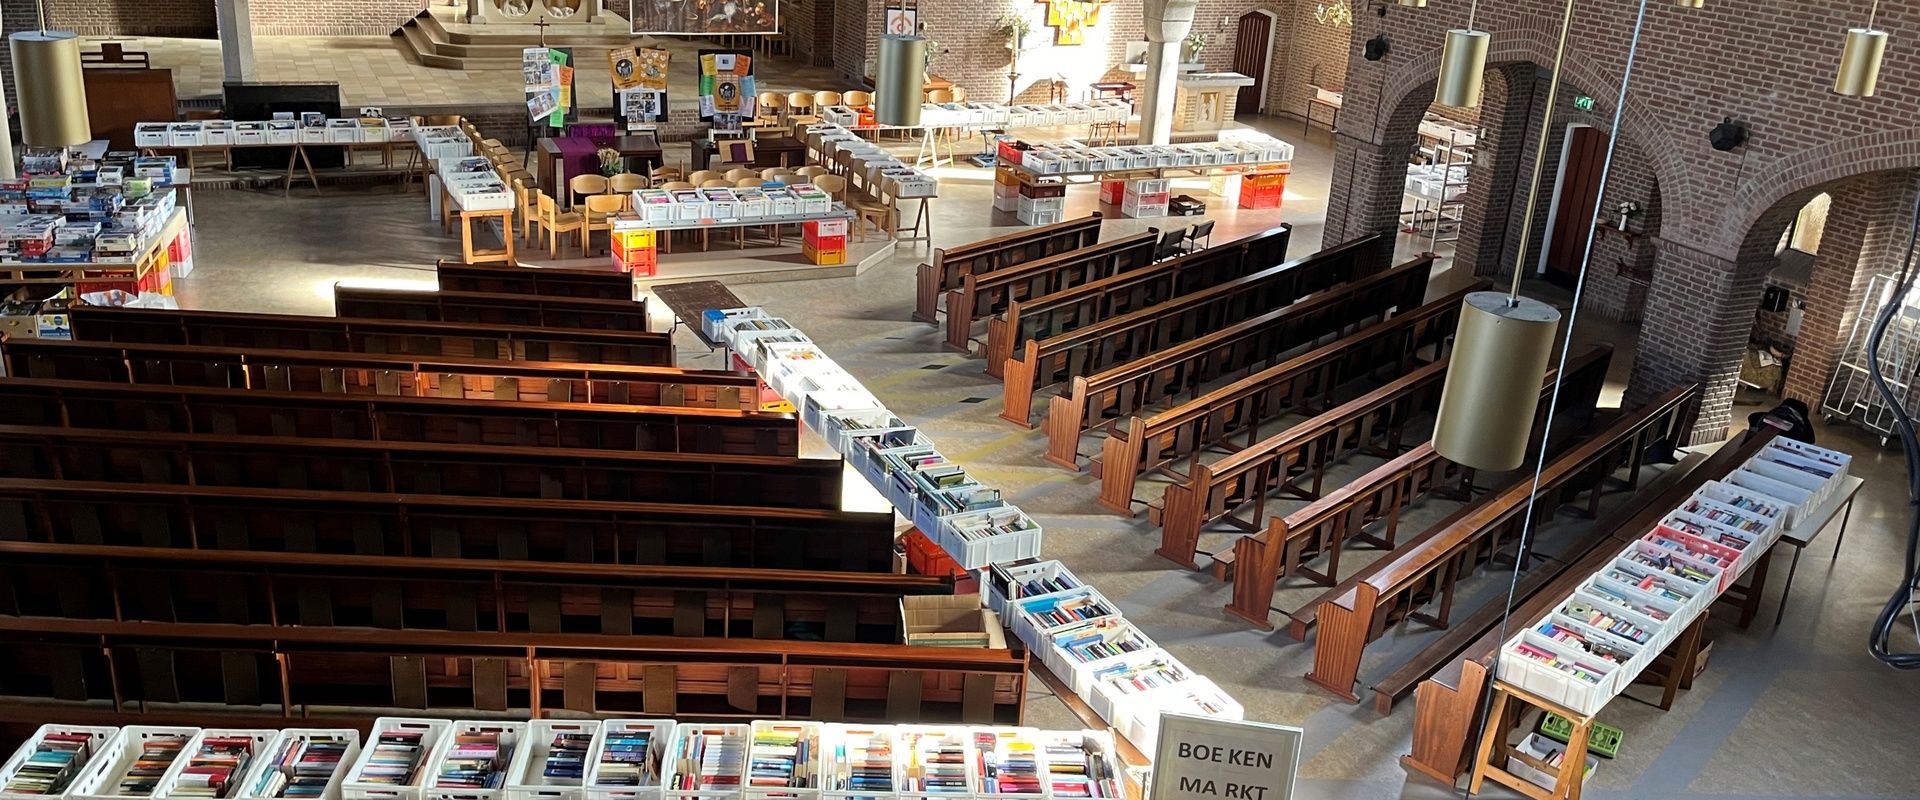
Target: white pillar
1167,24
236,40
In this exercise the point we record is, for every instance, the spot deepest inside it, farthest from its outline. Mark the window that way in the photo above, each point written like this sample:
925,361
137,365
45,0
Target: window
1808,226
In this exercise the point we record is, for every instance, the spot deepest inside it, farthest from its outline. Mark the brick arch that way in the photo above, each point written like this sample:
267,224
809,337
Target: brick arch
1404,90
1801,175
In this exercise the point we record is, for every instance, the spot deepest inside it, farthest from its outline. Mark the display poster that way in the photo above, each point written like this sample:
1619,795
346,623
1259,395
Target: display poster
548,75
727,94
1204,758
705,17
640,108
902,21
653,69
623,64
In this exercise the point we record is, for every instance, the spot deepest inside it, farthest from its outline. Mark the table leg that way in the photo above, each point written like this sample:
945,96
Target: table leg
314,179
292,155
1845,516
466,237
1787,589
1755,589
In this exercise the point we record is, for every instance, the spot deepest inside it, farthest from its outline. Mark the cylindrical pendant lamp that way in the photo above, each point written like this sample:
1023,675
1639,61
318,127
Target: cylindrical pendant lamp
1859,62
898,79
1412,3
52,93
1690,3
1493,380
1463,66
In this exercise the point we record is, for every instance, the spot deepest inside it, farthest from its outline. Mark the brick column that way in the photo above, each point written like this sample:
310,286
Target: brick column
1698,315
1501,172
1369,182
1866,232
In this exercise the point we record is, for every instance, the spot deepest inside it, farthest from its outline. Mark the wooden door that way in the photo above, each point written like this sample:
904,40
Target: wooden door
1250,51
1579,191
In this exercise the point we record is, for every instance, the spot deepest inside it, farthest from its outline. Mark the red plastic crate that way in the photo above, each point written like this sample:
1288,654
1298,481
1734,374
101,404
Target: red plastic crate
926,558
1111,192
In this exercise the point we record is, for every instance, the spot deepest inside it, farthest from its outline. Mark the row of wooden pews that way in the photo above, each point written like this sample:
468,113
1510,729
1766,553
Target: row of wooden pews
950,266
198,525
984,295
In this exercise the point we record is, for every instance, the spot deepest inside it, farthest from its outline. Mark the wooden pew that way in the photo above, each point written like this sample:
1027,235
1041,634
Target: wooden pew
284,673
285,462
447,526
1137,446
368,373
540,281
1083,351
1064,310
982,295
1214,492
950,264
252,412
479,308
1428,568
298,332
1379,496
91,582
1103,399
1447,701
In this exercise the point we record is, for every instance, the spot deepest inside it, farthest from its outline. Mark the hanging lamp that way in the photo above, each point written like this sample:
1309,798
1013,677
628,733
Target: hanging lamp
1463,64
1411,3
50,88
899,80
1860,61
1690,3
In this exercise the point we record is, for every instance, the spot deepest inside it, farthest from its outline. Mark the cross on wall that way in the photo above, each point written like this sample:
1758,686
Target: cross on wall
1070,19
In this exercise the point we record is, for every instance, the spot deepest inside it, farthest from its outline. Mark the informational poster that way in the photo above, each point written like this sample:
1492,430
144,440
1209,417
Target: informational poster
623,63
705,17
902,21
640,108
548,74
726,89
1203,758
653,69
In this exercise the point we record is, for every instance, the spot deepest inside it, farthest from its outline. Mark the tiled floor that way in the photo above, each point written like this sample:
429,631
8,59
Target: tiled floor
1793,711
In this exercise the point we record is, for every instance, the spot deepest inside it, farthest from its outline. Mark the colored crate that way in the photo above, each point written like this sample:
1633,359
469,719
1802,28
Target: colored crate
1112,191
634,239
1603,741
813,230
824,258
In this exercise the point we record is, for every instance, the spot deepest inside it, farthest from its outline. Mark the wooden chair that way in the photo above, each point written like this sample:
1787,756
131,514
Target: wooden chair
800,109
556,222
662,175
626,182
716,183
600,211
857,100
677,185
811,171
740,172
870,206
959,94
773,173
700,177
769,107
822,99
833,185
939,95
586,186
750,183
526,204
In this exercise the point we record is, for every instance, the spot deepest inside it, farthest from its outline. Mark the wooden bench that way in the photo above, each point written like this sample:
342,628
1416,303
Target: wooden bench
537,281
983,295
205,459
252,412
1447,701
1089,349
1138,446
479,308
1380,496
327,590
1064,310
1429,567
1104,399
367,373
950,264
280,673
447,526
296,332
1215,492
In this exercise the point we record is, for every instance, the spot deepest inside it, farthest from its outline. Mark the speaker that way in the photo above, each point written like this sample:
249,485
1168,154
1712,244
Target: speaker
1377,48
1727,135
1774,299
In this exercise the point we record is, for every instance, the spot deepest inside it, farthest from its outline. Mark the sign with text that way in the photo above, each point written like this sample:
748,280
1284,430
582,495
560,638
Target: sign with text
1202,758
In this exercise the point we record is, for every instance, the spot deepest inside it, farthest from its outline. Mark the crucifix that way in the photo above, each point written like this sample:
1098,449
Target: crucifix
542,24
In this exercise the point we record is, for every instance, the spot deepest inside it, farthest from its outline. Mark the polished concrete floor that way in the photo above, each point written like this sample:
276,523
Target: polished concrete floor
1797,710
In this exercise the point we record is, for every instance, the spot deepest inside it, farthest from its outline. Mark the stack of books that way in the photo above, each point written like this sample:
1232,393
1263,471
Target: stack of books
1054,612
55,760
156,755
477,760
303,766
623,759
1076,768
567,756
782,756
710,759
215,767
936,762
863,762
1008,763
395,756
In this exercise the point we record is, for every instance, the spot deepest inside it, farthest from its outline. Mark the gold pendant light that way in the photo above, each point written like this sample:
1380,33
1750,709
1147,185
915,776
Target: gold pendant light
1412,3
1493,380
1690,3
1860,61
899,79
52,92
1463,68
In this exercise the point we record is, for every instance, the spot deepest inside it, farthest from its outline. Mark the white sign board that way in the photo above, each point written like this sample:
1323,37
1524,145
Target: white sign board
1202,758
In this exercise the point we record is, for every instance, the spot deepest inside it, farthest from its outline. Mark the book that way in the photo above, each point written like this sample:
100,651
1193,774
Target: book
626,759
56,759
783,756
394,758
156,755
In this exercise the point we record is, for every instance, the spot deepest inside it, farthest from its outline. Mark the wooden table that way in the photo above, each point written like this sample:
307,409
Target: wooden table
1808,529
492,255
688,300
552,152
782,151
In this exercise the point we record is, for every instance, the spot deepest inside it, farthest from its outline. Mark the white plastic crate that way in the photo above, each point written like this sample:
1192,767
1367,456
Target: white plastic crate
1010,581
510,739
705,762
1795,497
1030,626
1116,686
1197,697
356,786
1584,695
934,748
1098,769
602,783
1816,489
1827,475
257,741
963,537
1038,217
766,749
842,427
1009,762
529,779
1544,749
1035,205
1841,461
97,739
850,752
285,750
102,777
1077,666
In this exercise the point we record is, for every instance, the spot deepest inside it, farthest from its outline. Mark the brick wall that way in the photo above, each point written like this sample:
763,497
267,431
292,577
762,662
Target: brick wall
852,25
1311,55
330,17
1865,237
133,17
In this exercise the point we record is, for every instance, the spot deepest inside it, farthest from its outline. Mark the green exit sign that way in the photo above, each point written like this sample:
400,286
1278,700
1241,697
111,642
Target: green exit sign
1583,102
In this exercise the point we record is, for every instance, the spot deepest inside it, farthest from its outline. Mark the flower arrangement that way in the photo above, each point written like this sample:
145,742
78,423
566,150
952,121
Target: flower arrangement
1197,42
610,162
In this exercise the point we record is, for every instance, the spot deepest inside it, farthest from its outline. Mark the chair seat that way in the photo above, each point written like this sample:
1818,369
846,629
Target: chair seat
569,218
862,202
